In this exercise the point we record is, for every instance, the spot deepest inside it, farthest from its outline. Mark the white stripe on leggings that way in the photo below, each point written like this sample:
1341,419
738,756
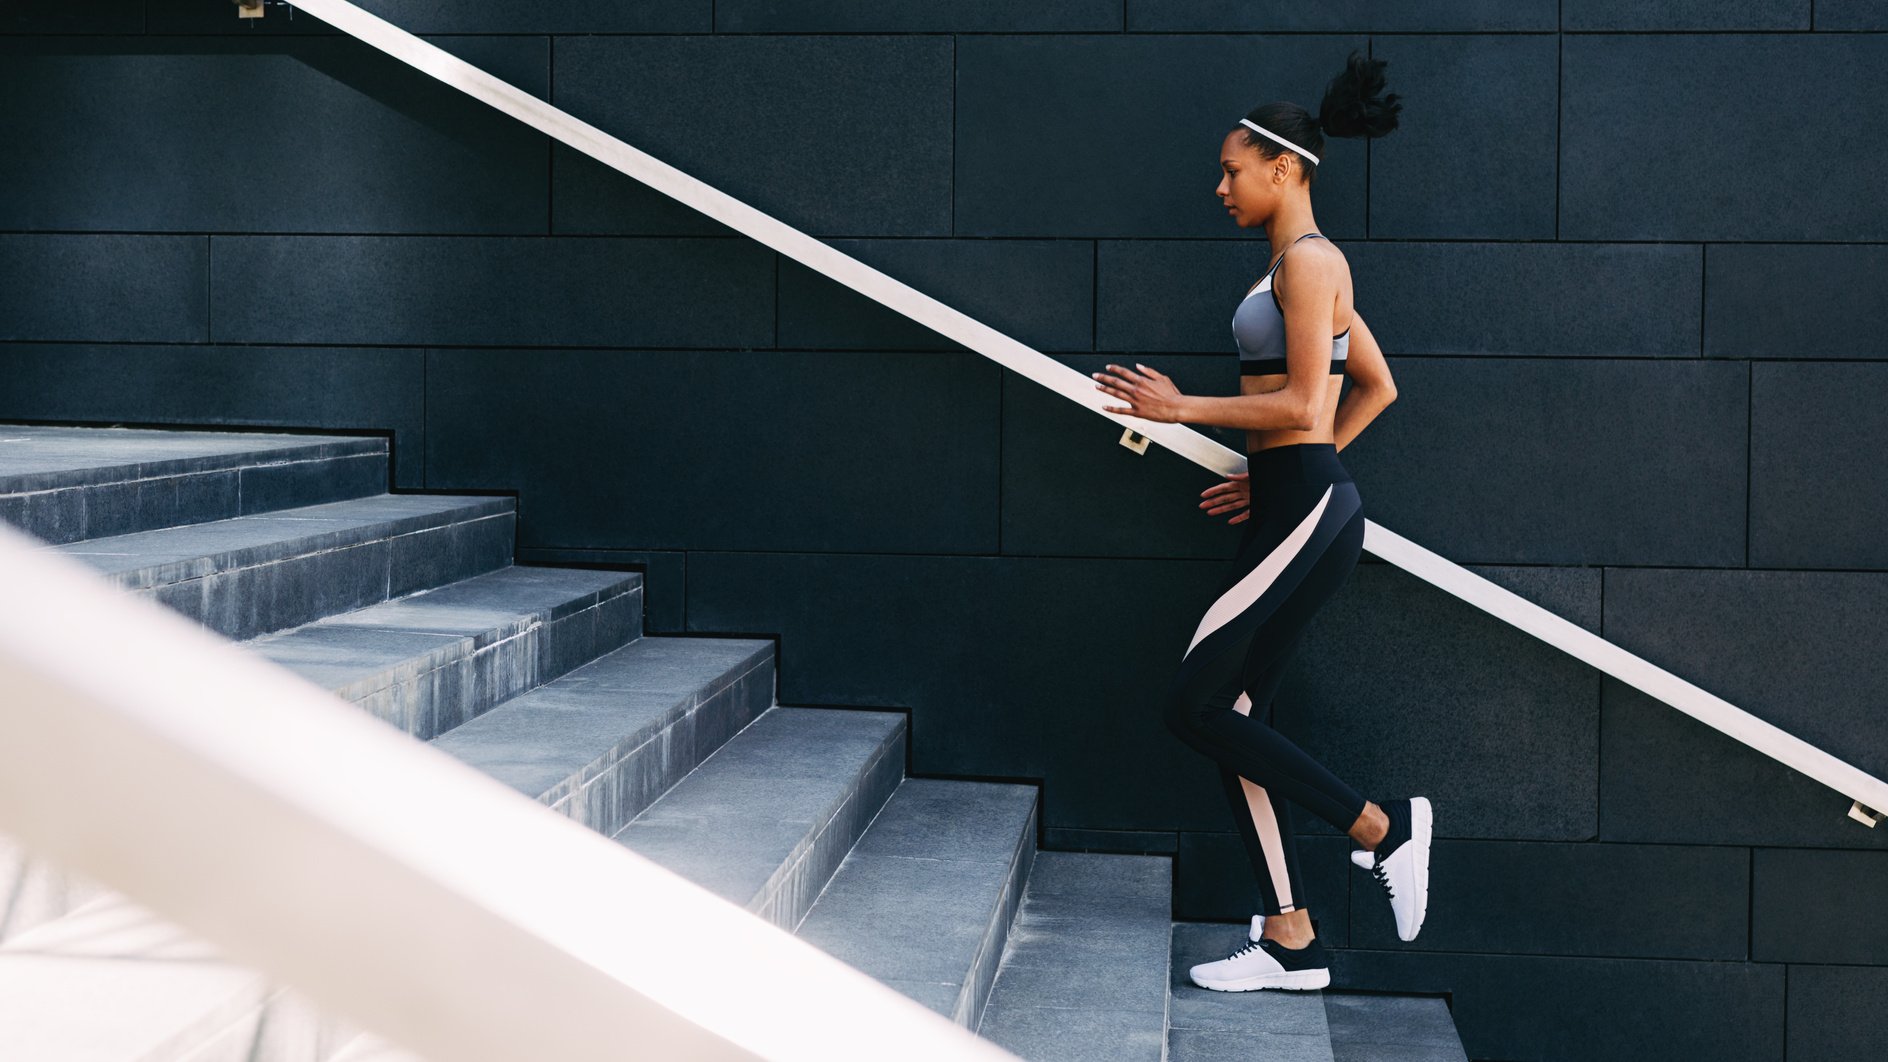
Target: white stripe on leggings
1260,807
1260,578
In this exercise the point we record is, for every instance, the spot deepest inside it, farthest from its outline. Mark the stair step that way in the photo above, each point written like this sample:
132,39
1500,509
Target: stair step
1084,975
249,575
925,899
1372,1027
431,661
1269,1023
765,820
66,484
603,742
151,991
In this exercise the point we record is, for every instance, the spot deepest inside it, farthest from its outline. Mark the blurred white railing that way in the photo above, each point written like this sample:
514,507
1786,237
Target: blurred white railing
1867,793
377,874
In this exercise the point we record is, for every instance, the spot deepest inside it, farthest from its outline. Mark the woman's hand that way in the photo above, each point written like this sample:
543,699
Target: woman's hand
1152,396
1235,493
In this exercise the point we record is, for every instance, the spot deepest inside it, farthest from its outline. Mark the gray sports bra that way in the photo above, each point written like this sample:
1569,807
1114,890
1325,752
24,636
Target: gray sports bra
1258,329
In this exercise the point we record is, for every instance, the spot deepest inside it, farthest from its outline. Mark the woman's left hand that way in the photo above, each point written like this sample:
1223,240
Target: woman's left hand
1151,396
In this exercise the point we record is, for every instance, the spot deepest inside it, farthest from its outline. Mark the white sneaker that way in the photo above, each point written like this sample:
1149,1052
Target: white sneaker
1404,870
1264,963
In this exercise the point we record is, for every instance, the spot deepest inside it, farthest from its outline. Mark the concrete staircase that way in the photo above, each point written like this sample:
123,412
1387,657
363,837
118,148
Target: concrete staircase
410,607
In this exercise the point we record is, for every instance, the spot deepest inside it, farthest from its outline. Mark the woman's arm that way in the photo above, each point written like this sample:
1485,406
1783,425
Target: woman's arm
1371,388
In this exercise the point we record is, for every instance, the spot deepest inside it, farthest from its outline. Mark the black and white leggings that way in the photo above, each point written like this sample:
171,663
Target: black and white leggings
1305,535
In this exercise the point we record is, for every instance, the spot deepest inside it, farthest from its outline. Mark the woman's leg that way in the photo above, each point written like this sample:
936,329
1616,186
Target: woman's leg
1292,565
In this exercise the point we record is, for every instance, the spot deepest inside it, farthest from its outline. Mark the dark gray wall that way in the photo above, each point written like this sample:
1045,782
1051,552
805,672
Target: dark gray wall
1629,260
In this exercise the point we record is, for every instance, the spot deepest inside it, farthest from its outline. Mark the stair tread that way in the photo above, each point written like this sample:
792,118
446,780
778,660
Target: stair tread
1270,1023
43,457
915,899
146,558
543,737
349,650
1084,974
740,820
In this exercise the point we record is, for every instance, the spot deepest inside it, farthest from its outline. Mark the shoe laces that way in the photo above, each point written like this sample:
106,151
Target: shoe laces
1383,878
1250,947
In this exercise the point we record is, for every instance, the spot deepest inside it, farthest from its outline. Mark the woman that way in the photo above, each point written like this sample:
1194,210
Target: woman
1305,541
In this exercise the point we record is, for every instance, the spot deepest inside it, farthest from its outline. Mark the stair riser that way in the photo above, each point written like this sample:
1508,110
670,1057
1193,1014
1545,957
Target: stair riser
625,782
69,513
790,893
275,593
983,975
466,678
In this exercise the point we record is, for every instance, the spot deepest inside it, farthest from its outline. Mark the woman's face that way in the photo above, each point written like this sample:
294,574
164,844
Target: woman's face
1247,182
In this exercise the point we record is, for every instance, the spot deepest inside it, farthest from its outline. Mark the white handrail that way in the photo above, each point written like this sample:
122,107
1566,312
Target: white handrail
1868,792
379,875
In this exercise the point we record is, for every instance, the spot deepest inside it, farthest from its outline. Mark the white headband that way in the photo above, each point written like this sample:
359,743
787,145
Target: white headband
1250,124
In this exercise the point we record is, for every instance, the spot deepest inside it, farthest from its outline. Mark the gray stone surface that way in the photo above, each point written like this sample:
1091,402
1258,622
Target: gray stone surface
1795,301
927,895
1264,1023
607,739
431,661
1818,489
426,17
249,575
1687,15
1378,15
61,490
1084,969
140,288
766,819
915,16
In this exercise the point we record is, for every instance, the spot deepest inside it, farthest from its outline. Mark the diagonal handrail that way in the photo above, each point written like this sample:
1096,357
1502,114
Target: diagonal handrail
1867,792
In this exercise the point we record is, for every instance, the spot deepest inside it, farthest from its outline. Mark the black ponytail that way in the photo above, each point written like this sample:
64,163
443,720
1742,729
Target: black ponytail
1353,106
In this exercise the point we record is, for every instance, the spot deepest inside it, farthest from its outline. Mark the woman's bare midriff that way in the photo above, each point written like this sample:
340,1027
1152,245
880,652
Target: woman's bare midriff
1265,438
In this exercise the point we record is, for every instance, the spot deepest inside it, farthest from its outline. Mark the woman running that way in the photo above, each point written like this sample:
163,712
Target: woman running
1305,540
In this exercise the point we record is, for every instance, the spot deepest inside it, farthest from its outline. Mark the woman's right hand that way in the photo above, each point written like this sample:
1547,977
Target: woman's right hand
1234,494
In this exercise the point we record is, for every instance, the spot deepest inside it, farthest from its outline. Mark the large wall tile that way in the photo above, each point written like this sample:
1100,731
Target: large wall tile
1685,15
1565,1009
492,291
1630,300
353,390
1817,906
1851,15
836,136
1824,1004
916,16
1773,300
1669,777
1662,134
104,288
1070,487
1039,292
1120,135
1513,299
1382,16
723,449
64,16
1403,690
430,16
1214,880
1561,461
1473,154
1627,900
215,134
1818,486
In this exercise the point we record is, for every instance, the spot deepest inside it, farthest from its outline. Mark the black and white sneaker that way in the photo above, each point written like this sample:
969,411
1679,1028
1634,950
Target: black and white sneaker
1265,963
1401,862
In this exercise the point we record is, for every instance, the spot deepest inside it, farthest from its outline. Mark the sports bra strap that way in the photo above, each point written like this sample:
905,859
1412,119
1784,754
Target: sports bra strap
1289,246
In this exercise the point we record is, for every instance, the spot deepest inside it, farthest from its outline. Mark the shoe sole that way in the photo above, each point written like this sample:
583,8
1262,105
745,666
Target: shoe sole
1297,980
1421,823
